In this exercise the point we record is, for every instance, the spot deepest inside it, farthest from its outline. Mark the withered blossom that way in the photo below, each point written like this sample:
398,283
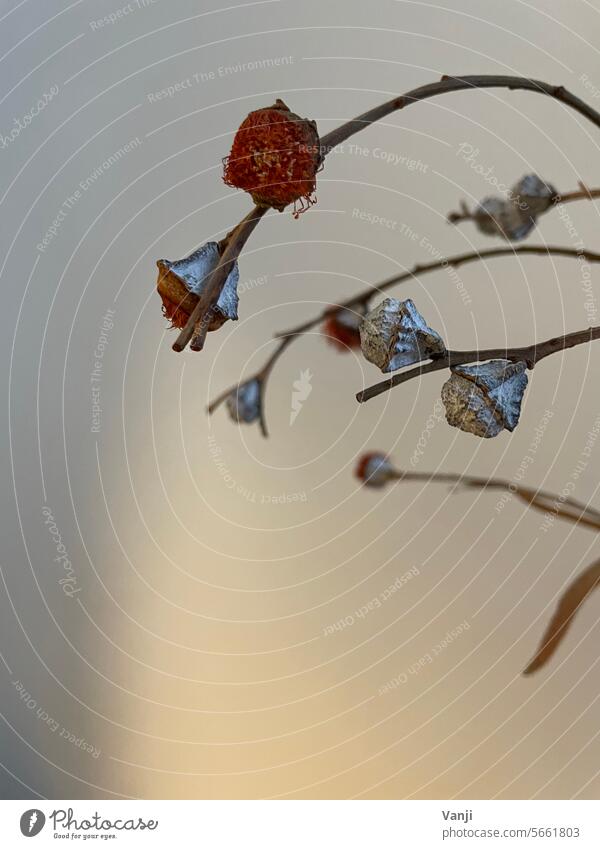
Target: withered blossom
244,402
395,334
181,281
275,157
485,399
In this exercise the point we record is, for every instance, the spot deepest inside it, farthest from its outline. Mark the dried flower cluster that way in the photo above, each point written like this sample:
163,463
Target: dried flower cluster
275,157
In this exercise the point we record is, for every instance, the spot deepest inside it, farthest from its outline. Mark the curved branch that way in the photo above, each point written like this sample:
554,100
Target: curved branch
530,354
450,84
452,261
569,508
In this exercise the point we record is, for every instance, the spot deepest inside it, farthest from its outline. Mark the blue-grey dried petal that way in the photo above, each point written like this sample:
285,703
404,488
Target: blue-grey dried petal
243,403
497,217
194,270
533,195
486,398
395,334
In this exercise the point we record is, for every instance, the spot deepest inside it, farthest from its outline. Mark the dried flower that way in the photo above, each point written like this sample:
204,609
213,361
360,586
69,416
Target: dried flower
244,402
374,469
516,216
533,195
485,399
275,157
181,282
342,328
395,334
497,217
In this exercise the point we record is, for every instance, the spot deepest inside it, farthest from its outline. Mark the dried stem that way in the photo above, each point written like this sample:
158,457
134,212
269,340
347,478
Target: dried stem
568,508
454,262
450,84
530,354
198,322
578,590
567,608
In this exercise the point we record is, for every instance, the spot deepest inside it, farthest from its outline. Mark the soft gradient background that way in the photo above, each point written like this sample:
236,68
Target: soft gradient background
195,654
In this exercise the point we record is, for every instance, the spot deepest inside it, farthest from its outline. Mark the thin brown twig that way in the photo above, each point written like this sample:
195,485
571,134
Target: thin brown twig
450,84
423,268
565,508
569,509
531,354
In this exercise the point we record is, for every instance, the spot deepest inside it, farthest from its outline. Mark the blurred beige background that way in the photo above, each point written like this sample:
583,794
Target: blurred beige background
189,654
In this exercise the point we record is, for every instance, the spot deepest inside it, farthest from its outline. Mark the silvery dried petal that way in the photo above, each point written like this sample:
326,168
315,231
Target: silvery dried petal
532,195
375,470
243,404
395,334
497,217
194,270
485,399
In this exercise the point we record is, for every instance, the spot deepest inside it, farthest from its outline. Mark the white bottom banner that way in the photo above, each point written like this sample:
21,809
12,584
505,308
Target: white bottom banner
303,824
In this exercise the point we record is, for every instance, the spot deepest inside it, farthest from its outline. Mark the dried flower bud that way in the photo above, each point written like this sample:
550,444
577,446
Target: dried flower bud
181,282
395,334
497,217
342,327
374,469
275,156
485,399
243,403
533,196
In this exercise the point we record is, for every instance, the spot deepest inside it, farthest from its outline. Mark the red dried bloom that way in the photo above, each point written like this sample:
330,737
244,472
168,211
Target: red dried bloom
341,329
275,157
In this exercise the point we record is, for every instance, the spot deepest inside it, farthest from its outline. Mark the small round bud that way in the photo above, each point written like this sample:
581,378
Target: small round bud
485,399
395,335
275,157
342,327
180,282
374,469
243,403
